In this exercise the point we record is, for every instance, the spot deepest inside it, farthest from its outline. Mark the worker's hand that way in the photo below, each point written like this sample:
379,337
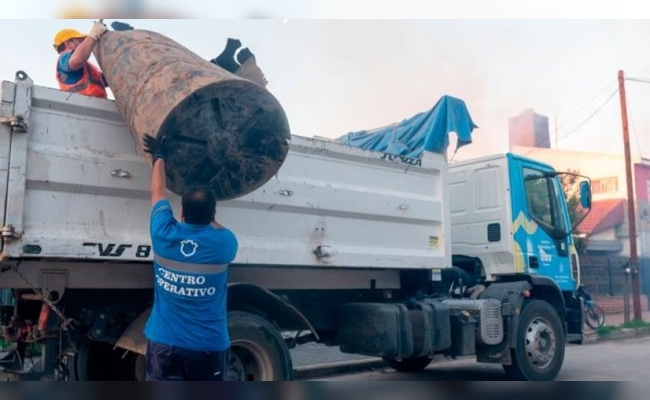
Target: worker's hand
97,30
155,147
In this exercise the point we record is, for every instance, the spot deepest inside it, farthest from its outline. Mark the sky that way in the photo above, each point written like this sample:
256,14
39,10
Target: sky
334,76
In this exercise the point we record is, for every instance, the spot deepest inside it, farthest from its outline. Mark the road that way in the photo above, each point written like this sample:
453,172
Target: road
621,360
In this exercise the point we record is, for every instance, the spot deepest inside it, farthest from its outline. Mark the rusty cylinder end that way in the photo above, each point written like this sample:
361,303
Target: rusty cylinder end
224,131
232,136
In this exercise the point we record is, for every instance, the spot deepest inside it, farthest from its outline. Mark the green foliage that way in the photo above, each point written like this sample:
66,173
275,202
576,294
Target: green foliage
605,331
571,186
635,324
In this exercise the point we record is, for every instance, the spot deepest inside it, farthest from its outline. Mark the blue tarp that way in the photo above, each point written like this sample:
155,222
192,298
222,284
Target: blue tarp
425,131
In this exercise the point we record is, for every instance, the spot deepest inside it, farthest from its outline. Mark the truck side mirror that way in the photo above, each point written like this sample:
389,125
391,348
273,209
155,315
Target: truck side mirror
585,195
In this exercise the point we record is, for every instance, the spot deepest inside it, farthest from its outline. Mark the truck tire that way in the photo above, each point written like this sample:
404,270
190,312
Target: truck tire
258,351
539,351
415,364
97,361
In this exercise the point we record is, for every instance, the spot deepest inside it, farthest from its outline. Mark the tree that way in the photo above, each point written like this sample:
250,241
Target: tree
571,185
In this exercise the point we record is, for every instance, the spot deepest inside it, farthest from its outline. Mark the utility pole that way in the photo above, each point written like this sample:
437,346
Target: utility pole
631,217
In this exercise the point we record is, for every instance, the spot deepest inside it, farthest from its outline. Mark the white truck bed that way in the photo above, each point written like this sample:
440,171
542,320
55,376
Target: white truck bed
74,186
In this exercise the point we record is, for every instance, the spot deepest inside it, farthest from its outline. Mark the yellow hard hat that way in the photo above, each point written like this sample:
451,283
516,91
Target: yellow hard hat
66,34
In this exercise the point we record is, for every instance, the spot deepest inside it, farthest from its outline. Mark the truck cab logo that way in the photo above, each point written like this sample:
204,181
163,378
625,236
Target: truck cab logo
188,247
403,159
110,249
544,256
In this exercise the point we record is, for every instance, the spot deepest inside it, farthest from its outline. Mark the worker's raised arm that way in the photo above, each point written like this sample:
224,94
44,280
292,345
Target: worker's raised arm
158,153
82,53
158,185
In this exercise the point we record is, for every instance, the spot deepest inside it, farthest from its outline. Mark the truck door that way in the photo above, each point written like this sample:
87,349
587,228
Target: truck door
15,105
542,231
7,91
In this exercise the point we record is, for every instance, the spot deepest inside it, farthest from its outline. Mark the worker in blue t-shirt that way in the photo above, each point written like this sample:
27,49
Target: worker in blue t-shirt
187,331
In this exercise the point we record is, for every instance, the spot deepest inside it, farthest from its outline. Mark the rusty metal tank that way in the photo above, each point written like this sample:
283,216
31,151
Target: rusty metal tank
223,130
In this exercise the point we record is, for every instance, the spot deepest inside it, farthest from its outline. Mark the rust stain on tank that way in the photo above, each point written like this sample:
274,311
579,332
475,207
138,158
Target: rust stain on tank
224,131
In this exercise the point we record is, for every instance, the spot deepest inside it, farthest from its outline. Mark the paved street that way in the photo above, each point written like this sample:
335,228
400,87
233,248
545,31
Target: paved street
623,360
314,354
618,360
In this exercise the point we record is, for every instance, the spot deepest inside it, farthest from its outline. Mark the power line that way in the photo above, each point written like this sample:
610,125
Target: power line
631,116
567,134
636,137
642,80
587,103
638,143
564,136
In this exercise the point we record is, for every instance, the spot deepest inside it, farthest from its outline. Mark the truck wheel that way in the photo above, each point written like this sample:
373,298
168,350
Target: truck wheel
258,351
96,361
415,364
539,351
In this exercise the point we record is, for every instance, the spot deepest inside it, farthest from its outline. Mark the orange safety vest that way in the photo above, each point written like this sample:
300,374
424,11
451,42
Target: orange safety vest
90,84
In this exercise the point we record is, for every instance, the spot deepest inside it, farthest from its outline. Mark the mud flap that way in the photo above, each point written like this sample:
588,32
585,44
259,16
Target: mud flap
133,338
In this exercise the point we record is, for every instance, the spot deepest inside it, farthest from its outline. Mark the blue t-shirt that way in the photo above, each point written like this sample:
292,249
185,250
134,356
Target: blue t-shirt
68,76
190,278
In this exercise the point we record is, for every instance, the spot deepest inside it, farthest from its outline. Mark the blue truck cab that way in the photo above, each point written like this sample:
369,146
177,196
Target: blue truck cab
509,218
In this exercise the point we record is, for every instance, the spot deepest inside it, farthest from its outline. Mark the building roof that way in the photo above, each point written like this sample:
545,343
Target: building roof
605,214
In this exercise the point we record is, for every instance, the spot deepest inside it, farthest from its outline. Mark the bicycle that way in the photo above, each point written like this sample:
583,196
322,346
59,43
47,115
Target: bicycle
594,315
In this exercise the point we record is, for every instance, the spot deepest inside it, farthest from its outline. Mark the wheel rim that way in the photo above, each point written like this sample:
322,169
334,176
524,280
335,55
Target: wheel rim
541,343
249,362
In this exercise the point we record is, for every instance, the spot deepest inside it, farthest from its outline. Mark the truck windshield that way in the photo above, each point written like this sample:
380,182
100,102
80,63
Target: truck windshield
543,199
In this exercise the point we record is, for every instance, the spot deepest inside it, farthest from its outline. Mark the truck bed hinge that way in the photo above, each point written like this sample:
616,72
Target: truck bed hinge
9,232
17,123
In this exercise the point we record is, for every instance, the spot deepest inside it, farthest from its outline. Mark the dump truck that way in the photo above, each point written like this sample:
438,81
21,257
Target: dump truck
376,254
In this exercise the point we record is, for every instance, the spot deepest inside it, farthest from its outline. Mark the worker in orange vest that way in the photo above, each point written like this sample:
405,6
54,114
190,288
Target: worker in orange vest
73,71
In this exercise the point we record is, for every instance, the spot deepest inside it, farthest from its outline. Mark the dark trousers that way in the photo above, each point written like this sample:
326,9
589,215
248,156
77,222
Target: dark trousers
172,363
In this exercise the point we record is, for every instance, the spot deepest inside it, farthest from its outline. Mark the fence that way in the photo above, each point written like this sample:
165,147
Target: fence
604,279
603,275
